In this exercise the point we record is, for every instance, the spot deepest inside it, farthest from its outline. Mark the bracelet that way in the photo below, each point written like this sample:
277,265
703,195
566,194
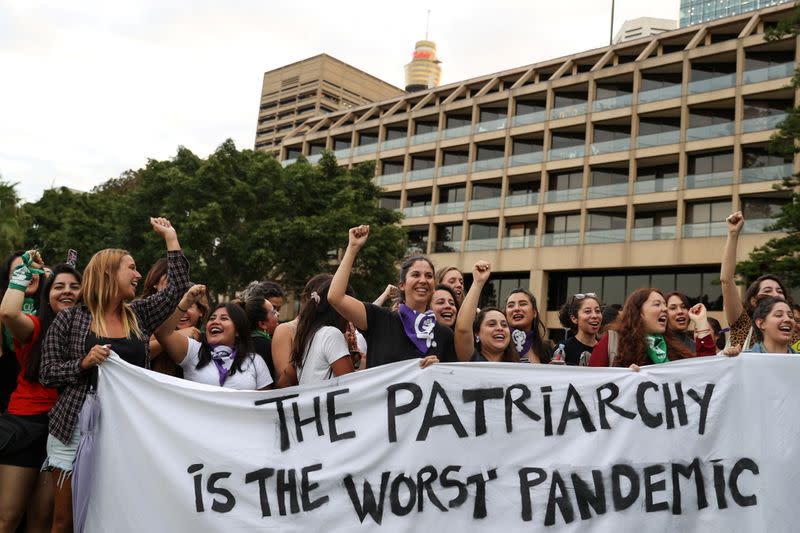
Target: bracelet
181,309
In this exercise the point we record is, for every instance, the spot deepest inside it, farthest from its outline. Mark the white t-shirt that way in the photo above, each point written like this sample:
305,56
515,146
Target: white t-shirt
327,347
253,375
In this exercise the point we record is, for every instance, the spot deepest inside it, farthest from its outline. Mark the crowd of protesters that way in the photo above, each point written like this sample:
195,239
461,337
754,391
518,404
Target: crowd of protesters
58,325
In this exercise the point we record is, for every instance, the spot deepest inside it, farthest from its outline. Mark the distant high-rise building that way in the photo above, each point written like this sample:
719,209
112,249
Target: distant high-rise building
313,86
424,71
643,27
697,11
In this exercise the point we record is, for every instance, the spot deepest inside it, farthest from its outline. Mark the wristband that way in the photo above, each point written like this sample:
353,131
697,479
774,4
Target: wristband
27,260
20,278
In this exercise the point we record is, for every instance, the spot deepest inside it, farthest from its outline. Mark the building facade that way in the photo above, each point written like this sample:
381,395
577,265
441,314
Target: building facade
698,11
317,85
603,172
643,27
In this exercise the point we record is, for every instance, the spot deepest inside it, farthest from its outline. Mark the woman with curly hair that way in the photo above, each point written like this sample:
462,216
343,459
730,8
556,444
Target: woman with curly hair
641,335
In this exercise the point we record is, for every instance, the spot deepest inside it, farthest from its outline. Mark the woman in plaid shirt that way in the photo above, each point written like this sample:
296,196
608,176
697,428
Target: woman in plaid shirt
83,336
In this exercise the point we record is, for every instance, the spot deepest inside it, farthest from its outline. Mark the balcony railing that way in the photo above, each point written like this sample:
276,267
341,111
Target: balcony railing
488,164
568,152
656,185
390,179
491,125
615,145
655,233
658,139
712,84
447,246
607,191
460,131
421,174
757,225
525,159
342,153
366,149
711,132
773,72
662,93
314,159
615,102
604,236
449,207
286,162
485,204
772,173
394,143
561,239
568,111
763,123
529,118
714,179
417,249
473,245
417,211
422,138
522,200
519,241
564,195
453,170
705,229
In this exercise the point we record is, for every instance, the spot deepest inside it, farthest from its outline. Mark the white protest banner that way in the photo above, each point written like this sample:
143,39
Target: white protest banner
703,445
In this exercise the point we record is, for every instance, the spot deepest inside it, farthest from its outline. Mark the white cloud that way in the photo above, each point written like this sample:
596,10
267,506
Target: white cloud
94,88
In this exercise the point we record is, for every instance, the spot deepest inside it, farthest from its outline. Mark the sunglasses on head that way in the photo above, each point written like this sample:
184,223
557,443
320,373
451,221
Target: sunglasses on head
581,296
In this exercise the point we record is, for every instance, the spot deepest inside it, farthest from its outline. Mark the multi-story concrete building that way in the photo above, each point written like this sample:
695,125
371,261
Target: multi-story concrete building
601,172
697,11
314,86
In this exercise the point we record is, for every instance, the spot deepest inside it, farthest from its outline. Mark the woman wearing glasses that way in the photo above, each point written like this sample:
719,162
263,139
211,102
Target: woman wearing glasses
582,315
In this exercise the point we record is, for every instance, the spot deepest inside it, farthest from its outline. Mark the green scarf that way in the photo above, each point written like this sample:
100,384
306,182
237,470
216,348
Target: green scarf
259,333
656,348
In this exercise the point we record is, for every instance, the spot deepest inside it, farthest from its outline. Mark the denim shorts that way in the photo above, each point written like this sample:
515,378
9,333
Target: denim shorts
60,455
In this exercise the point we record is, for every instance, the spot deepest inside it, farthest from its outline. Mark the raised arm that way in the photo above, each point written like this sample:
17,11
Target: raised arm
731,300
173,342
389,292
350,308
18,323
464,336
154,309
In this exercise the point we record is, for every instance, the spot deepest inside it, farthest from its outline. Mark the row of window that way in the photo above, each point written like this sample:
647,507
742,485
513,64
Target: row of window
530,109
704,218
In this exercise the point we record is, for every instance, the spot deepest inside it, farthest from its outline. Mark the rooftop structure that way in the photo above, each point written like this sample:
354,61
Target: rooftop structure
643,27
424,70
698,11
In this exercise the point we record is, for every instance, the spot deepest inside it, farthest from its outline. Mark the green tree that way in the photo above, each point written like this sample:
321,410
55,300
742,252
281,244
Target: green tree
781,255
12,229
240,217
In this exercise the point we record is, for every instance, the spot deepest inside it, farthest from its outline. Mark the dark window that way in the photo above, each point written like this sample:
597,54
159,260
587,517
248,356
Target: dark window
608,176
389,202
452,194
710,163
563,223
482,231
704,212
480,192
566,180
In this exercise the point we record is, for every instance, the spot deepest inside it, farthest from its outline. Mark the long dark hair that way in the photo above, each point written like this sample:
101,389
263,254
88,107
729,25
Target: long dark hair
46,317
541,346
752,292
315,315
510,354
5,277
254,309
153,276
630,327
571,308
243,344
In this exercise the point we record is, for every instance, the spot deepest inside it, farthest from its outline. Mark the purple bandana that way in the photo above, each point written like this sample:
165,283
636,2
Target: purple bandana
522,341
418,327
223,357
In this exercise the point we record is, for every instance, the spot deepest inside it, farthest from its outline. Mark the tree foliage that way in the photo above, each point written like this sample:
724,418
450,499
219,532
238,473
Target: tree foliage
240,216
781,255
12,229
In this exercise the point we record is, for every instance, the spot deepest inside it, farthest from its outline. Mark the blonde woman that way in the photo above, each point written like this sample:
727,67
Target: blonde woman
82,337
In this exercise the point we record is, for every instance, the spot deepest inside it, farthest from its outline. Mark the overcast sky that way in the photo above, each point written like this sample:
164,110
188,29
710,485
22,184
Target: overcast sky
89,89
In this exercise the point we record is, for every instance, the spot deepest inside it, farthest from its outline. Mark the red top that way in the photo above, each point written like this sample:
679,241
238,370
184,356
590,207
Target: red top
705,346
30,397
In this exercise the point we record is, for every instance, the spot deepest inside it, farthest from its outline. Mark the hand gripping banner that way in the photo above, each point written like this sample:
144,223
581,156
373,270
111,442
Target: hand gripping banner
703,445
